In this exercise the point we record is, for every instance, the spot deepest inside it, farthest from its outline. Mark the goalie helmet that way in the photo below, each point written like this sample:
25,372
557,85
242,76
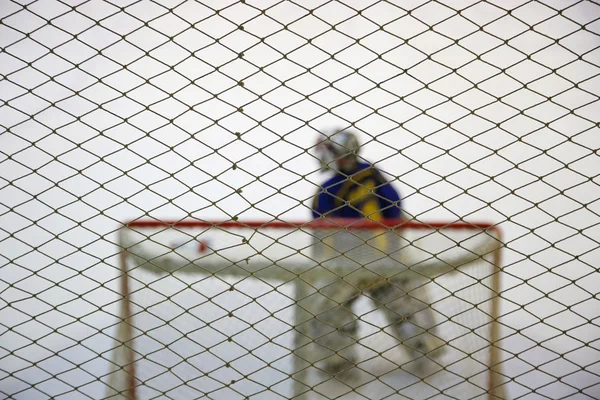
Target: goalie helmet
337,149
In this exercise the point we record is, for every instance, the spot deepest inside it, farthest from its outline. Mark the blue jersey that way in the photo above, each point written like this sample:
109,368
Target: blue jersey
363,194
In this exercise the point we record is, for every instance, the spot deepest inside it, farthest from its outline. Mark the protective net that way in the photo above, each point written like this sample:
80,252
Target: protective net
173,114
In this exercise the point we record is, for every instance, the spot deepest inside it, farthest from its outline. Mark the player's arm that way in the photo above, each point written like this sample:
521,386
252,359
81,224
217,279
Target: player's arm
390,201
323,203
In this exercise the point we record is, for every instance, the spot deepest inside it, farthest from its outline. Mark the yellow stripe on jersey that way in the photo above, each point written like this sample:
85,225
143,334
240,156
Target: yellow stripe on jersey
363,197
352,181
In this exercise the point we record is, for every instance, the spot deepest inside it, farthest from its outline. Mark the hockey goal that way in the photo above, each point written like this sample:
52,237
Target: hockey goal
224,309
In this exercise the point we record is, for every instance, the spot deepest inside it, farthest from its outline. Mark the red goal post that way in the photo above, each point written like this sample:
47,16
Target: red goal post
309,252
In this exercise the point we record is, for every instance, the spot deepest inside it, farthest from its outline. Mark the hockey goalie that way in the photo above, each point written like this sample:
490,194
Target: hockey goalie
358,191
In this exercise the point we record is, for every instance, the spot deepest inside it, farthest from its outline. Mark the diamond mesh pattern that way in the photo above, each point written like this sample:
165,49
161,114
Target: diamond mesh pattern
120,110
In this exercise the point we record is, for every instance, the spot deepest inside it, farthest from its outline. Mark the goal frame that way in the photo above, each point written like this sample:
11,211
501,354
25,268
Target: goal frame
494,388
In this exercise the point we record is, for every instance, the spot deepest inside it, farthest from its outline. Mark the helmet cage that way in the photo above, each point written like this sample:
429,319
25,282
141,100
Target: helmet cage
335,147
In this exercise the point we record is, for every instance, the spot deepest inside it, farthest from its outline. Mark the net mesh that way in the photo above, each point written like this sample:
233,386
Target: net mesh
249,306
115,111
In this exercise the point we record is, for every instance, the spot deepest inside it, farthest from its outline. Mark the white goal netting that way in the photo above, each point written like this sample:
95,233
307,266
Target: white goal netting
228,310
